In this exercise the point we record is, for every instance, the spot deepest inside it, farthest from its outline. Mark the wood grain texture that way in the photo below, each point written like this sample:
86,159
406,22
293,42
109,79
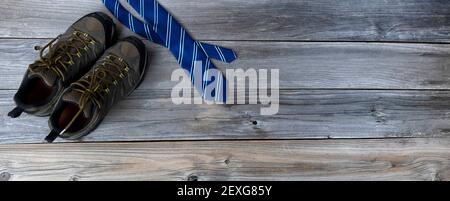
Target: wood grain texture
400,159
324,20
341,77
302,65
304,114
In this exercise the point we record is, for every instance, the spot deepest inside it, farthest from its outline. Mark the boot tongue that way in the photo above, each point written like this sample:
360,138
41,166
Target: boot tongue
48,76
74,97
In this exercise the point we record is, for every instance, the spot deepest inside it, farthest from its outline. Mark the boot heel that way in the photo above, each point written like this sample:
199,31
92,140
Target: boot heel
16,112
52,136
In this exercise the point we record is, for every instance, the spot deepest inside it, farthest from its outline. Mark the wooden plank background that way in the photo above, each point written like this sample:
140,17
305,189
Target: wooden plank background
304,114
302,65
400,159
346,20
350,71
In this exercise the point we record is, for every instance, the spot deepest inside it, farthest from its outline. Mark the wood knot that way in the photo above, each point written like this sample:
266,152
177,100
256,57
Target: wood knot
436,177
192,177
378,114
74,178
5,176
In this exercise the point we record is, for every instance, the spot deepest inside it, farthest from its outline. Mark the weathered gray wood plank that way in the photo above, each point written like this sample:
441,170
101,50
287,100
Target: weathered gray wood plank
346,20
302,65
304,114
400,159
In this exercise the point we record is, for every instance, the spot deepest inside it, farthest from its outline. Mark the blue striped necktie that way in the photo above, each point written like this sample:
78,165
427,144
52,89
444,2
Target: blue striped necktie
160,27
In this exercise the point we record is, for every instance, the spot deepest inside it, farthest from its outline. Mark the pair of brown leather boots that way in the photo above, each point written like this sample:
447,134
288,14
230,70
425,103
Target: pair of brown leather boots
80,75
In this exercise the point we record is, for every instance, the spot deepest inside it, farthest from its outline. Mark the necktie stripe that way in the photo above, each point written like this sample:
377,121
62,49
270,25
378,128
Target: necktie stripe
182,49
156,17
194,66
131,22
116,12
141,7
192,61
169,30
222,58
222,55
147,33
180,54
201,46
194,57
205,78
161,28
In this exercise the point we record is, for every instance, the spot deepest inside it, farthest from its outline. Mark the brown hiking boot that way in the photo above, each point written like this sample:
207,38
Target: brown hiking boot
68,57
86,102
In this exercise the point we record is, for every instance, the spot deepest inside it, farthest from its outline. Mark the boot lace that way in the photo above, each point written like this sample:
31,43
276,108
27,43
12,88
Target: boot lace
61,57
96,86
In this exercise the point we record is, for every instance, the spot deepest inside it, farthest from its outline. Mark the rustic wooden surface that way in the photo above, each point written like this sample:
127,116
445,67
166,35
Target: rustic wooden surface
302,65
304,114
350,71
346,20
399,159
